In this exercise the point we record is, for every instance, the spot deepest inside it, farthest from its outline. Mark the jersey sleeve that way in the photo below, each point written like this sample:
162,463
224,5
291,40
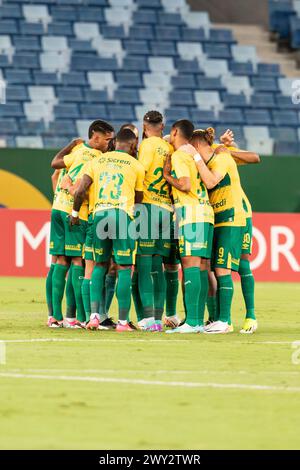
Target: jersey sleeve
139,185
180,166
145,156
69,160
88,170
220,164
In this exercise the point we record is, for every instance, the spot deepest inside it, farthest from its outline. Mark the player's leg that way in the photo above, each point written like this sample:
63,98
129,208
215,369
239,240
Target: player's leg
247,280
172,288
211,302
108,295
89,267
49,286
159,288
136,297
204,289
123,292
77,280
58,287
70,321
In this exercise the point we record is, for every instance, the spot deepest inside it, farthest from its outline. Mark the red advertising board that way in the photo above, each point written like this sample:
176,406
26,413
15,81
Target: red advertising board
24,243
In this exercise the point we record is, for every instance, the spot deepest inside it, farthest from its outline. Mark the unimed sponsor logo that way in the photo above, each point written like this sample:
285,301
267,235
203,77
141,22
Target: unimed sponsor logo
25,238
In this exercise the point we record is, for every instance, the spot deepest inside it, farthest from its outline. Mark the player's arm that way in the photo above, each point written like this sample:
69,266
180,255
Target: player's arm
58,161
183,183
54,179
241,157
79,196
139,184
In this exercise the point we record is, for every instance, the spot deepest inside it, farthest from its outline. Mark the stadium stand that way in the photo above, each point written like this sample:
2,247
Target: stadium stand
67,62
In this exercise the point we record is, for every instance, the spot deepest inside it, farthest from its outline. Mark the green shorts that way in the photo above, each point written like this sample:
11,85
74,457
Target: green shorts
111,237
88,251
227,247
247,239
196,239
155,230
64,239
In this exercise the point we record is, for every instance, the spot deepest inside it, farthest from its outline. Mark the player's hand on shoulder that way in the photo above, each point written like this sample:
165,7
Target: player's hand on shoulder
75,142
227,138
188,148
221,149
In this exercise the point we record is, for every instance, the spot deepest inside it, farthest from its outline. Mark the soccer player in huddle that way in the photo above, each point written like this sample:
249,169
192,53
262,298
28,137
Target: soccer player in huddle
118,184
67,242
195,223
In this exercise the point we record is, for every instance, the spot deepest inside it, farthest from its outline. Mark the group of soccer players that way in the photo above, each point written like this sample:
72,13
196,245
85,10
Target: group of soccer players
126,215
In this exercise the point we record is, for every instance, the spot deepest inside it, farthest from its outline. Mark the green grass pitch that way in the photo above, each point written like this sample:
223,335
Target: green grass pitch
76,389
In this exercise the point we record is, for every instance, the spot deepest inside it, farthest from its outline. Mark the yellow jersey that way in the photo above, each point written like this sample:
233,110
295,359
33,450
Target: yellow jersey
197,207
75,162
226,197
152,155
116,176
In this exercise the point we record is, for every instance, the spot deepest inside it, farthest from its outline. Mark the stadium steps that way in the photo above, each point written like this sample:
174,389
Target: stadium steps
266,50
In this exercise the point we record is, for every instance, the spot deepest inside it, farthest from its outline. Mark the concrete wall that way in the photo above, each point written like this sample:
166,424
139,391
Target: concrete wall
234,11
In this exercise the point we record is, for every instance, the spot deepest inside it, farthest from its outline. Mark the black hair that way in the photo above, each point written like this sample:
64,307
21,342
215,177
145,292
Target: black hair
100,126
125,135
153,117
186,128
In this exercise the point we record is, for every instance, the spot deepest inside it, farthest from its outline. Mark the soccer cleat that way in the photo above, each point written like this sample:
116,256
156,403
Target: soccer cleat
217,327
250,326
93,324
69,323
80,325
53,323
184,329
121,328
108,324
158,326
132,325
172,322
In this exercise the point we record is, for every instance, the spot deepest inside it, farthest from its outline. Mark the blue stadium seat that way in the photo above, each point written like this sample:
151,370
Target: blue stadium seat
60,29
10,11
74,78
79,45
95,96
91,14
61,127
286,118
199,115
145,17
141,32
8,126
12,109
193,35
287,149
97,3
280,13
65,111
164,48
232,116
234,101
18,76
184,81
268,70
127,96
221,35
258,118
284,134
285,102
8,27
173,19
31,128
210,83
4,61
136,47
114,32
145,4
182,98
69,94
65,13
55,142
167,33
238,133
242,68
32,29
218,51
26,60
121,112
138,64
172,114
263,100
16,93
269,84
129,79
90,63
27,43
187,66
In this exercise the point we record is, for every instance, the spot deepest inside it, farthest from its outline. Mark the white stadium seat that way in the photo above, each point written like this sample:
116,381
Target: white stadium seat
197,19
244,54
214,67
286,86
37,14
54,43
190,50
6,47
82,126
41,94
39,111
237,85
130,4
55,61
86,31
162,64
154,96
176,6
207,100
102,81
109,48
259,140
157,80
119,16
29,142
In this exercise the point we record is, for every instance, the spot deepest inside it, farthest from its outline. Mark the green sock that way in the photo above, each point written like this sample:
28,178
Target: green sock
77,279
225,293
136,297
159,287
192,285
212,308
86,298
144,265
70,295
172,287
110,284
248,284
203,295
123,292
49,290
102,304
58,287
97,287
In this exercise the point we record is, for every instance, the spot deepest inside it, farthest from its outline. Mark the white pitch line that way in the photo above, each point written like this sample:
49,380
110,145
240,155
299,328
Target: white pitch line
254,387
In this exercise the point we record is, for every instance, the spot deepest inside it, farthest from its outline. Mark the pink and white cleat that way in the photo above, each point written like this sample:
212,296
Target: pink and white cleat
121,328
53,323
94,322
